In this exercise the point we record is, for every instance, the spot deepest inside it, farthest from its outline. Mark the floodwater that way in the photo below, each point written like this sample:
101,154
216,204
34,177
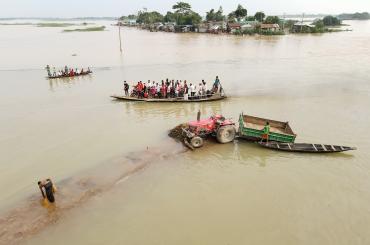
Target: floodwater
121,180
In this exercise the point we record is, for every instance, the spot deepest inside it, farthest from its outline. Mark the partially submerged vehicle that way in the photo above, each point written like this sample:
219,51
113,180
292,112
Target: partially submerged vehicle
217,126
281,136
251,128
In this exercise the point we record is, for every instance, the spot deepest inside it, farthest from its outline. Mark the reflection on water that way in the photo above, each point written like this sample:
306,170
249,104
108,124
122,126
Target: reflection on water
165,110
68,81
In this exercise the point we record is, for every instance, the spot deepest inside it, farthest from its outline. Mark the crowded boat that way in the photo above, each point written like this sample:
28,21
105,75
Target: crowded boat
66,72
172,89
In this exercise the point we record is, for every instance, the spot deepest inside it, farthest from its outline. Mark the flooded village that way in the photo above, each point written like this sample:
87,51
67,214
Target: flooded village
238,22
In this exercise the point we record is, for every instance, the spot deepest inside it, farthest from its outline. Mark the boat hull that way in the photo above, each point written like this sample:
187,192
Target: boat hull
170,100
68,76
305,147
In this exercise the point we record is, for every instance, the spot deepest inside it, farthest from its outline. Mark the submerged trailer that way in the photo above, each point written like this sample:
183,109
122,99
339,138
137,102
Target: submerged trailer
251,128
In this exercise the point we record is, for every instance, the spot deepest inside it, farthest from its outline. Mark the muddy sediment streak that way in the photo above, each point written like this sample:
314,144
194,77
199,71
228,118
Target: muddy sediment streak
34,214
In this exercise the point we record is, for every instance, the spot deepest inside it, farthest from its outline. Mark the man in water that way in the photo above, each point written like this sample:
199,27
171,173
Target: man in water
47,189
216,84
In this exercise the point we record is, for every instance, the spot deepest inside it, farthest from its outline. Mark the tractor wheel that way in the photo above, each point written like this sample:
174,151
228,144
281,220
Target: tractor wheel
226,134
196,142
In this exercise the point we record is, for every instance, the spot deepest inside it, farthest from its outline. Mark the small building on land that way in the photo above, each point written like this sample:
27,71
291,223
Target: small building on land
169,27
302,27
270,27
233,27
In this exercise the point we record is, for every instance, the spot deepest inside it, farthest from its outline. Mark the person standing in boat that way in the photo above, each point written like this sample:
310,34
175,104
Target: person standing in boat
266,132
126,87
66,70
216,85
48,70
54,72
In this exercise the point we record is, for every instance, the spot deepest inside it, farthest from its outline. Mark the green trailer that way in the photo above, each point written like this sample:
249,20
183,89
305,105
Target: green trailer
251,128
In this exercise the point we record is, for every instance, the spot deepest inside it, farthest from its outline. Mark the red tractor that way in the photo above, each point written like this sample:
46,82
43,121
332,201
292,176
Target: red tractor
216,126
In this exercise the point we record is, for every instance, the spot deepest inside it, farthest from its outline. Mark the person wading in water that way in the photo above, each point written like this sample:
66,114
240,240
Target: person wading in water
47,189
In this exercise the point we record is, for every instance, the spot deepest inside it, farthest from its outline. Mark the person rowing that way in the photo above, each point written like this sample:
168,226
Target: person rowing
216,85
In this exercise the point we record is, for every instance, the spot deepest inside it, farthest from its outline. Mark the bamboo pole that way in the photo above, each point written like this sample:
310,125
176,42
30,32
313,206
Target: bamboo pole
120,40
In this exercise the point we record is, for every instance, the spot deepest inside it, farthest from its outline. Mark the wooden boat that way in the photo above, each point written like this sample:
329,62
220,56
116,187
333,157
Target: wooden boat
305,147
251,128
69,76
214,97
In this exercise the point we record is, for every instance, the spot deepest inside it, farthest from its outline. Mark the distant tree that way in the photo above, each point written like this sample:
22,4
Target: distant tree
250,18
220,14
215,16
149,17
319,24
184,15
355,16
210,16
182,7
331,21
260,16
239,13
131,17
170,17
231,17
272,20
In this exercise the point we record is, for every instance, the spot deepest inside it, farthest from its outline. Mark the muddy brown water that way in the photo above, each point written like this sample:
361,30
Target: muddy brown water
71,130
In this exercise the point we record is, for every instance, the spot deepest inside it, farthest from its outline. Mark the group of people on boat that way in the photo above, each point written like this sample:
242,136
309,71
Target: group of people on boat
66,72
172,89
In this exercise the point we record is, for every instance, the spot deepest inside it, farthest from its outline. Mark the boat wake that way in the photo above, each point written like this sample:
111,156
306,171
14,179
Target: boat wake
35,214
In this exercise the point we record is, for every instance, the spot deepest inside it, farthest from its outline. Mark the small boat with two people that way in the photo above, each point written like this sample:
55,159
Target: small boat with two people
66,72
172,91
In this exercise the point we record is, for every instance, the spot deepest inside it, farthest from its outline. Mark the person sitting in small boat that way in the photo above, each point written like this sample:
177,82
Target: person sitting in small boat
216,85
77,71
126,87
54,72
266,132
82,71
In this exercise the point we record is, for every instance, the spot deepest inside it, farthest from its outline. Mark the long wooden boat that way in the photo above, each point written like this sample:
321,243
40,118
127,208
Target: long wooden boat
251,128
214,97
305,147
69,76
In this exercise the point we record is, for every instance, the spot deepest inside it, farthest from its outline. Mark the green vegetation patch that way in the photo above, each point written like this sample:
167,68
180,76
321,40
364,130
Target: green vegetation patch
15,24
51,24
98,28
